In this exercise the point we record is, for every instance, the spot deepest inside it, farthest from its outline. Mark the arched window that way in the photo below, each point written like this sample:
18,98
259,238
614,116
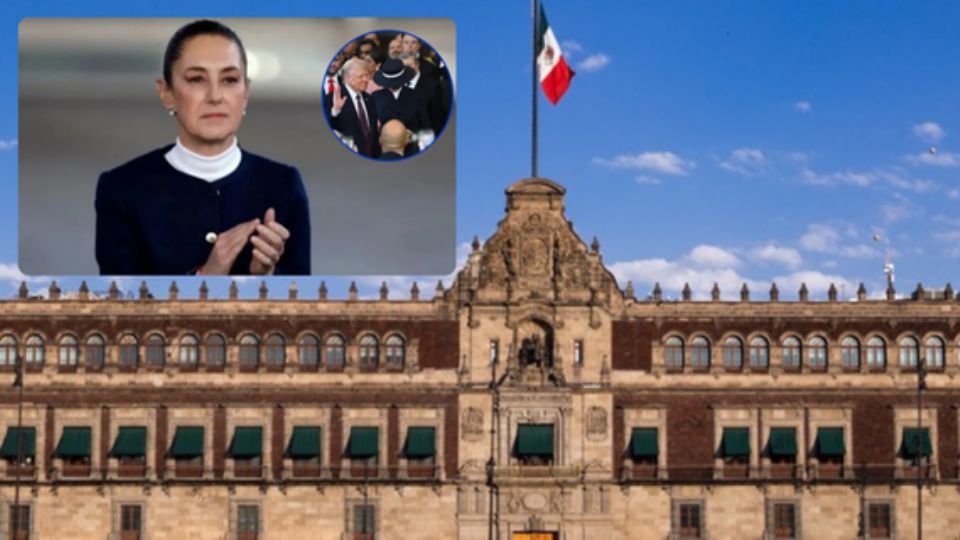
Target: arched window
276,351
673,352
933,352
791,353
395,352
156,351
94,352
189,351
817,353
850,353
309,350
700,353
215,351
909,352
8,350
369,352
334,350
249,352
68,351
876,353
732,353
759,353
129,352
33,352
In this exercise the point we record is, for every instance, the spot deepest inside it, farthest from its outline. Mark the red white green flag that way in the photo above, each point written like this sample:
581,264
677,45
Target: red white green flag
555,74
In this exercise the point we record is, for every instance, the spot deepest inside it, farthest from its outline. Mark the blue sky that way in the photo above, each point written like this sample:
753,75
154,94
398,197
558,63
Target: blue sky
700,141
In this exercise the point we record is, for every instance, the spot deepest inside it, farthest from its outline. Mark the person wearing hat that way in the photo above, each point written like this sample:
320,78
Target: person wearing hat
396,101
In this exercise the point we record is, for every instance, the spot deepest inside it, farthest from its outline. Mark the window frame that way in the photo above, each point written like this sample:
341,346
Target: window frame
759,353
673,353
850,353
395,353
875,349
68,352
700,357
308,352
335,342
732,353
791,355
818,353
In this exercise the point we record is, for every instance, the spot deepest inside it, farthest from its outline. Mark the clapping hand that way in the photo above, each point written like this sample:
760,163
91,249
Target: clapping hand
268,244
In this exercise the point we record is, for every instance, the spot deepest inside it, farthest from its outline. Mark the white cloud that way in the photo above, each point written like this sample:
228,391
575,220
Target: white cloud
938,159
662,162
908,184
817,283
647,180
829,264
952,238
803,106
594,62
929,131
672,275
954,194
399,286
788,257
745,161
823,238
901,209
712,257
8,144
859,179
570,47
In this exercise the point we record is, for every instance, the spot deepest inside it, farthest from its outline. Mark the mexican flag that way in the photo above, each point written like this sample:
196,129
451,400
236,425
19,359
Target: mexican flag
555,74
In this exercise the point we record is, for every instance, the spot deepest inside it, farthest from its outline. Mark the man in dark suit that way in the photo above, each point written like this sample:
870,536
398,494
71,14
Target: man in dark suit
396,101
353,113
429,90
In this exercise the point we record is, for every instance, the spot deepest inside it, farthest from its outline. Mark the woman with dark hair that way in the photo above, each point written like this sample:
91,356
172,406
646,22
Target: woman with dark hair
203,205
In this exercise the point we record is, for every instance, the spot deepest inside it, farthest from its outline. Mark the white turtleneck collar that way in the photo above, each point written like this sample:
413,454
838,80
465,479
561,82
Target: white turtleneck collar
209,168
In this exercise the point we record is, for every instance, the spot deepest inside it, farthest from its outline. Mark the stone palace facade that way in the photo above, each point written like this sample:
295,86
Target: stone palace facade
533,399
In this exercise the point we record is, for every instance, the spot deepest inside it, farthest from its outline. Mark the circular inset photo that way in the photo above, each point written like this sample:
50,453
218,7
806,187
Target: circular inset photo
387,95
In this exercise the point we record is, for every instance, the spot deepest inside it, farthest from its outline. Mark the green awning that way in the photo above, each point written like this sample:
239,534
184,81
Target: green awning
421,442
247,442
75,442
736,442
916,439
12,446
304,443
364,442
535,440
830,442
783,442
643,443
131,441
187,442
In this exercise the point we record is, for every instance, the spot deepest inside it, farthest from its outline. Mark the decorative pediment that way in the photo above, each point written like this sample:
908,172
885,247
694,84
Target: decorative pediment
535,255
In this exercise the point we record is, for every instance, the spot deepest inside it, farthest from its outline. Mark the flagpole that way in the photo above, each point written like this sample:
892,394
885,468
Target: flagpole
533,90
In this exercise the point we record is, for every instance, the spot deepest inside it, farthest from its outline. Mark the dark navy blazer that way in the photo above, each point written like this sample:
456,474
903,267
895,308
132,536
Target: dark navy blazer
154,219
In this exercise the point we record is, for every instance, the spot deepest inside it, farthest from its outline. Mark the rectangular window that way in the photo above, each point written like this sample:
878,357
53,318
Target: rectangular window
364,522
364,450
534,444
187,450
578,352
304,449
19,522
248,522
644,449
784,521
688,520
879,520
131,522
246,449
74,451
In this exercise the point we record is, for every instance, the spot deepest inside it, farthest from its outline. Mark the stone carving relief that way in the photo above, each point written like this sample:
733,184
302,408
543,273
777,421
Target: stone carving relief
596,423
471,425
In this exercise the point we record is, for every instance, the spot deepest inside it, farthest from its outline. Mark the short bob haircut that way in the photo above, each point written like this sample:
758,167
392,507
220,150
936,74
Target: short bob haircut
202,27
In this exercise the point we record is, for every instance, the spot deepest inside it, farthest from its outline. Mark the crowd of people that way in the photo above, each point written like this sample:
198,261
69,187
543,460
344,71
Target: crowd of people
387,95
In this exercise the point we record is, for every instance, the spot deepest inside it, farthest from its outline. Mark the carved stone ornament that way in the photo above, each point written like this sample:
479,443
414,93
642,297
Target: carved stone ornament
596,423
472,424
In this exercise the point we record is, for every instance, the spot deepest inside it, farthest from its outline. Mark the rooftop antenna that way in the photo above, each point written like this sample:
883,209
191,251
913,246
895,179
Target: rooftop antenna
888,268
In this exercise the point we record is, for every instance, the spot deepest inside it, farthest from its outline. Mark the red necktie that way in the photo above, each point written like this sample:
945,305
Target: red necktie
364,125
329,85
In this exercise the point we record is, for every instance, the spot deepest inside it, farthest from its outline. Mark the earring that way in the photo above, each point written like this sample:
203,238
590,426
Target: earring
244,112
172,112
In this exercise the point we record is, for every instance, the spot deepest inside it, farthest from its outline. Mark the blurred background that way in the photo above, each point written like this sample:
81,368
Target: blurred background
88,104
